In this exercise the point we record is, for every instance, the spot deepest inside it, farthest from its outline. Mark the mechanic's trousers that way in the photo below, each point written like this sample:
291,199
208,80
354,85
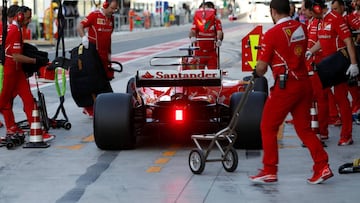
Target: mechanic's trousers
355,95
209,59
296,99
333,108
341,98
320,96
15,84
105,58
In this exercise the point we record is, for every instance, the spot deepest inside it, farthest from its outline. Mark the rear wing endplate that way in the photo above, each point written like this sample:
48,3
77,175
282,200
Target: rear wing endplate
173,78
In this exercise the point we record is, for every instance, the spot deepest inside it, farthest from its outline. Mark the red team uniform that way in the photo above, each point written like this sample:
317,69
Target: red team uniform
207,53
15,81
353,21
320,95
100,30
284,46
332,32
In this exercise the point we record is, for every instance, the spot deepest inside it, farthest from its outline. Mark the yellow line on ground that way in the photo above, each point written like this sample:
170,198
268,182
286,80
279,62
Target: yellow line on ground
153,169
162,160
169,153
73,147
89,138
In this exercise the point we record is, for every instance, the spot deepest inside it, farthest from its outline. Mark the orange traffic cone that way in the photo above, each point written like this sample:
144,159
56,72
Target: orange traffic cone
36,132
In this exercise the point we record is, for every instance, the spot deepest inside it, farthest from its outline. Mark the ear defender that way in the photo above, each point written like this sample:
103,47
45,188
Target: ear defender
317,9
106,4
20,17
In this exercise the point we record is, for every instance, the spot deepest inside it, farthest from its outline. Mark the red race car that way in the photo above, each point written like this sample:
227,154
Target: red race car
177,102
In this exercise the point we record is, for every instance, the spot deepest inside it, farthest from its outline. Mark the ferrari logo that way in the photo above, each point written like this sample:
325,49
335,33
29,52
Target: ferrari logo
298,50
288,32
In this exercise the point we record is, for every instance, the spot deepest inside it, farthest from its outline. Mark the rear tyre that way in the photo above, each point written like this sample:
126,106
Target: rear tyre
261,85
113,122
130,86
231,160
197,161
248,123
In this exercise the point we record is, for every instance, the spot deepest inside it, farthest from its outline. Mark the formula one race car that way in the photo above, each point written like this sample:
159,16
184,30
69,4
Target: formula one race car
177,102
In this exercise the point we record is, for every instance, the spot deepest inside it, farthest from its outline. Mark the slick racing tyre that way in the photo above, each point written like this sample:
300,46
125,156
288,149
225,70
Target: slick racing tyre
231,160
113,122
197,161
248,123
130,86
261,85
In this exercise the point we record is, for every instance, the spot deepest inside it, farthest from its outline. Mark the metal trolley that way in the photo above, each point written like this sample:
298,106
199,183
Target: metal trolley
229,157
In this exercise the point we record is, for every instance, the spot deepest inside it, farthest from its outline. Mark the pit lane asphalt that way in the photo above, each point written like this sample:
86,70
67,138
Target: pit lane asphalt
72,169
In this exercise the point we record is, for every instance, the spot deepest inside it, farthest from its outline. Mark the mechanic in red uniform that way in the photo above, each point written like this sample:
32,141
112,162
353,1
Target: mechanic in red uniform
320,95
15,81
353,21
283,48
207,53
334,35
100,25
11,12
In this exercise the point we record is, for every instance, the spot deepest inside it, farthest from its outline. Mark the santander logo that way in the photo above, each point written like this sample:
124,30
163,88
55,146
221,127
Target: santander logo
178,75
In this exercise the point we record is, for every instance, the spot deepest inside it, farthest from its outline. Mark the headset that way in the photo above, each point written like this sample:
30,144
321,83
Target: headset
106,4
20,14
317,6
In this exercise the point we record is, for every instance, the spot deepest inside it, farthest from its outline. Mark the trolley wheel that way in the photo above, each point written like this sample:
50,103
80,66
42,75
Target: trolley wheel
230,161
10,145
67,125
197,161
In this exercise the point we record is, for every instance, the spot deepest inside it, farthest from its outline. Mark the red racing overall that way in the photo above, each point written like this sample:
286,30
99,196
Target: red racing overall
353,21
284,46
100,30
332,32
15,81
320,95
207,53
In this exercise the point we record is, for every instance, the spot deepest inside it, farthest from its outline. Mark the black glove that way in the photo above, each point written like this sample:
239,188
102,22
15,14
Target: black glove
255,75
42,61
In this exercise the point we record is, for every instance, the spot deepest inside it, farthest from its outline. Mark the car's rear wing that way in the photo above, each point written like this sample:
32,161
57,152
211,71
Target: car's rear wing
172,78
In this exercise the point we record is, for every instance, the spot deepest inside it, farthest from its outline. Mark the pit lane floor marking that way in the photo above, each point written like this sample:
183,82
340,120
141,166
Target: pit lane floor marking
163,160
84,140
